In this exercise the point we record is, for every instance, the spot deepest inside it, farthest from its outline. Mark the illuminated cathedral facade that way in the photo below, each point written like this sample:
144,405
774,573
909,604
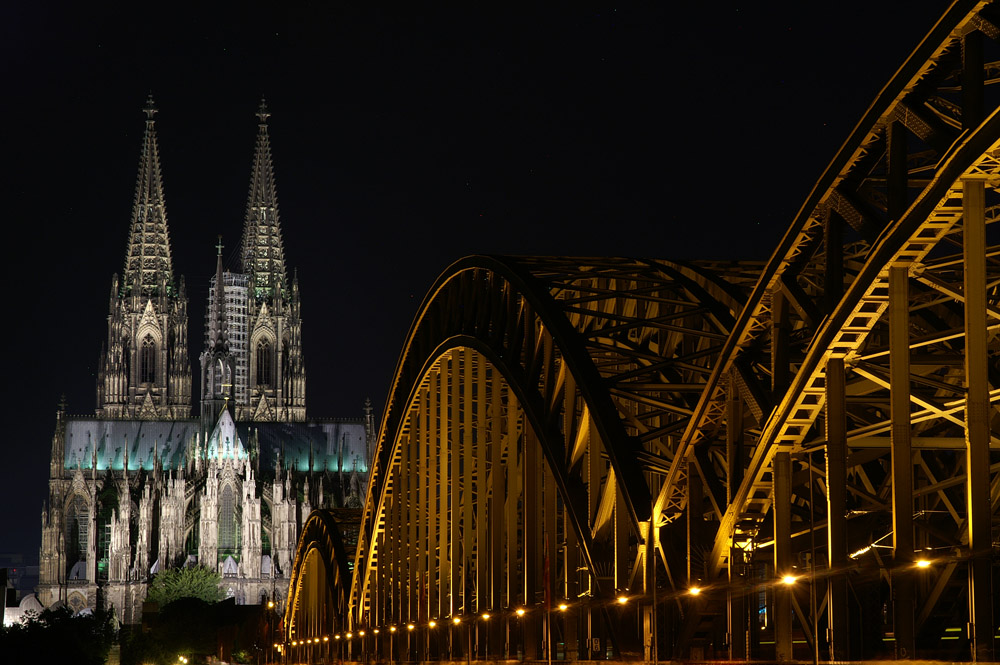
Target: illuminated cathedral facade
144,484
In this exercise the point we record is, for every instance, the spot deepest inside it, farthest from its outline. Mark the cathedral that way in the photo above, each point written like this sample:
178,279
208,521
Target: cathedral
145,484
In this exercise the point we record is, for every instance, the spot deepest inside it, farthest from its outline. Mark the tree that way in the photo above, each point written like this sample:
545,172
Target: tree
57,636
194,582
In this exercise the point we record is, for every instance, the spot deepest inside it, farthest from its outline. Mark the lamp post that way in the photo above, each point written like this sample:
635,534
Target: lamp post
270,630
520,629
468,652
486,642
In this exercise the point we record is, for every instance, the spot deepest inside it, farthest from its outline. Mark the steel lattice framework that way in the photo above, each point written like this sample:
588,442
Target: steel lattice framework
635,452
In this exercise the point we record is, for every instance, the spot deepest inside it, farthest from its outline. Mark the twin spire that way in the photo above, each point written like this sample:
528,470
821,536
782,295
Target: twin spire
147,258
262,252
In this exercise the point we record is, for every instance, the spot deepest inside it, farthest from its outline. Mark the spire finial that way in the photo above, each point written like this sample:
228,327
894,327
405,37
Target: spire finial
262,112
219,246
150,108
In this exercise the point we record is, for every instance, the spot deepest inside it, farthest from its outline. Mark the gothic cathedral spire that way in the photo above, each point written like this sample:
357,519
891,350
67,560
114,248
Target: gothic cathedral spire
144,371
147,258
263,253
275,373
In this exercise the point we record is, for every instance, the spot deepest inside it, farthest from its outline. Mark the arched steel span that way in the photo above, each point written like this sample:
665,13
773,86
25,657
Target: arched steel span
533,396
574,428
320,583
869,339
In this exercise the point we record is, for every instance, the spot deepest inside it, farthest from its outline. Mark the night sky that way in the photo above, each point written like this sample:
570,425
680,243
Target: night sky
401,142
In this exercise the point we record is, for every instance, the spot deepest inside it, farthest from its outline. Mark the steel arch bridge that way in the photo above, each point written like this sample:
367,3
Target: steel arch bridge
591,458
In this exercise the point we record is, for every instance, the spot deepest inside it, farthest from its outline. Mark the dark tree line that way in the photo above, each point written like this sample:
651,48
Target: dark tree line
57,636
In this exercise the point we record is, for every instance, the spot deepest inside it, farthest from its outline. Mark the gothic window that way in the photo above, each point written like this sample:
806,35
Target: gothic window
227,520
284,361
77,530
265,533
147,361
108,501
264,363
192,537
127,357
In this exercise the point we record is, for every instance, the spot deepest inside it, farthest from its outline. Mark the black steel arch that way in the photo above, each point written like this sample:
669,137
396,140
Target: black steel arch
322,542
624,334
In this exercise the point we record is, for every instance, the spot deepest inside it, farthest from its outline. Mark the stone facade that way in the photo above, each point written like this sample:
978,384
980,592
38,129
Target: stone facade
143,485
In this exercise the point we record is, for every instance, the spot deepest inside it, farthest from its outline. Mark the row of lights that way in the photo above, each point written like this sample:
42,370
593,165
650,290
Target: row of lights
315,640
485,616
789,580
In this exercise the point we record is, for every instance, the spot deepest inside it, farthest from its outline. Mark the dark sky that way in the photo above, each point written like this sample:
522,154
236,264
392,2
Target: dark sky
402,142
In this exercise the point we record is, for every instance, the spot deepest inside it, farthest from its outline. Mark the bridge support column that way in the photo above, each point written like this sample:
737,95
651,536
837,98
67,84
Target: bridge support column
781,471
836,483
977,423
531,514
497,637
902,461
738,634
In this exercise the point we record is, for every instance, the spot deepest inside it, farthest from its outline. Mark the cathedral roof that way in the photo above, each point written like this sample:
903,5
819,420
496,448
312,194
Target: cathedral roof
263,252
333,445
141,439
147,258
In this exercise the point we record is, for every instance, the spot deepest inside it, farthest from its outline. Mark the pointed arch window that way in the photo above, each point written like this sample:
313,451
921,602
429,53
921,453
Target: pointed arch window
227,520
77,530
264,377
147,360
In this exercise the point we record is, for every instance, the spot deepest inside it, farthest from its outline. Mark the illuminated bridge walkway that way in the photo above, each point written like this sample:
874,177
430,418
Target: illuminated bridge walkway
592,458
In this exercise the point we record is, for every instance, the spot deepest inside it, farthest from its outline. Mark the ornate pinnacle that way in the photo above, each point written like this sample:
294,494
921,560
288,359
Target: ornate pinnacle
147,257
262,112
150,109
